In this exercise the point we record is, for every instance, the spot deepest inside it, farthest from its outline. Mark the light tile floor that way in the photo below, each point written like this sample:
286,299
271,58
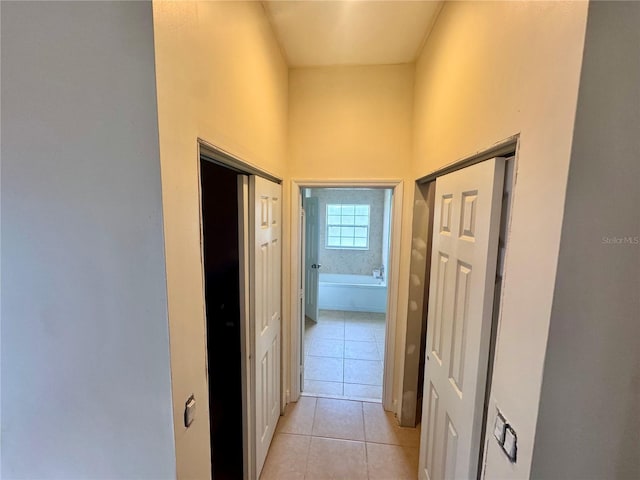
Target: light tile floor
344,353
326,438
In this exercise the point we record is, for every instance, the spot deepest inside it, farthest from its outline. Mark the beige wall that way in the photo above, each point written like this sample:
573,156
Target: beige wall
355,123
489,71
221,77
350,122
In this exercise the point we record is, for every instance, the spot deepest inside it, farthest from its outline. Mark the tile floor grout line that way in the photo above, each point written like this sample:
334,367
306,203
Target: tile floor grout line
295,434
342,397
364,422
364,431
306,463
313,419
323,356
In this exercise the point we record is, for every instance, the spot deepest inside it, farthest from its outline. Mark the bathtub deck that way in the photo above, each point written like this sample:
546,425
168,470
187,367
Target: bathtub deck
344,354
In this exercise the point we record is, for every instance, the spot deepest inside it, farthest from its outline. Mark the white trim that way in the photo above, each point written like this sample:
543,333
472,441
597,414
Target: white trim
501,149
341,182
296,292
392,281
229,160
248,411
203,291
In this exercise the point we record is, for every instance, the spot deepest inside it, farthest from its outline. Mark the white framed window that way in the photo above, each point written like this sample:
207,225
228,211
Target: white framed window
348,226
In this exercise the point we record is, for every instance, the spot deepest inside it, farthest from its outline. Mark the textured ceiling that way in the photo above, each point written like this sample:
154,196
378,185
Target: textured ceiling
316,33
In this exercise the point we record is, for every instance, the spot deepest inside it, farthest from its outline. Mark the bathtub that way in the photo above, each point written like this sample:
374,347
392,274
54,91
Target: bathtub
354,293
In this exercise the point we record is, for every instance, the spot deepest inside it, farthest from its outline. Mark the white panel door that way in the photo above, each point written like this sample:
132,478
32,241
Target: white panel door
265,286
463,267
312,267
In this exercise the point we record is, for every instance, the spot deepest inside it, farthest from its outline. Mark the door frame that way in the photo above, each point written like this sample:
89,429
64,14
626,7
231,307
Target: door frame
510,149
479,254
209,152
297,314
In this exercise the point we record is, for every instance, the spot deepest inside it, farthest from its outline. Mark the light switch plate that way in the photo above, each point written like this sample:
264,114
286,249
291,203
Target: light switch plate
498,429
189,411
510,445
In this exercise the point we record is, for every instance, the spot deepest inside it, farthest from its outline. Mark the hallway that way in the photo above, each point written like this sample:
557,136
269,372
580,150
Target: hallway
322,438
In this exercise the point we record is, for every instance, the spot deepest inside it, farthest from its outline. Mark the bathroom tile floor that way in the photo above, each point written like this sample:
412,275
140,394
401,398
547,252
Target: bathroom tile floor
344,353
322,438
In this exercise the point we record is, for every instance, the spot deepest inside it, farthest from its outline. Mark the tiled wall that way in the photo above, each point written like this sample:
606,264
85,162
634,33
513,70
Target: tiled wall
351,261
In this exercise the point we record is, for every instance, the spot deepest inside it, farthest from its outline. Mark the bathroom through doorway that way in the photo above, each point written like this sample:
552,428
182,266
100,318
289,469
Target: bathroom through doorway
345,274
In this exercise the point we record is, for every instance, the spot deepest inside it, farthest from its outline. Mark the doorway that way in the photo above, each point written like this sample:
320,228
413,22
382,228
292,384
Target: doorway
345,271
221,262
241,224
471,208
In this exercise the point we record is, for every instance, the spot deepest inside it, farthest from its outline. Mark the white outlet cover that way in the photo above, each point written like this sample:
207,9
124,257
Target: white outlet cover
190,412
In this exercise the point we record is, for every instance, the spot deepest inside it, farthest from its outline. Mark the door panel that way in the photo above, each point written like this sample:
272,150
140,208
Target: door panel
266,231
312,267
464,257
428,435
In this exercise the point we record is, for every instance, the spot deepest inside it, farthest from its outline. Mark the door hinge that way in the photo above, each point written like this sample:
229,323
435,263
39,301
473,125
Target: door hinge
301,292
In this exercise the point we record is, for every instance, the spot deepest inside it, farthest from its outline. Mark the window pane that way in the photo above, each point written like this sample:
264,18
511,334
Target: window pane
346,242
360,242
333,209
347,225
334,231
348,209
346,231
333,241
360,232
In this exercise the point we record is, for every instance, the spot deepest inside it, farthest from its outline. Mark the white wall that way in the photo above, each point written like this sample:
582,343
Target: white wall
220,77
86,389
589,422
489,71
